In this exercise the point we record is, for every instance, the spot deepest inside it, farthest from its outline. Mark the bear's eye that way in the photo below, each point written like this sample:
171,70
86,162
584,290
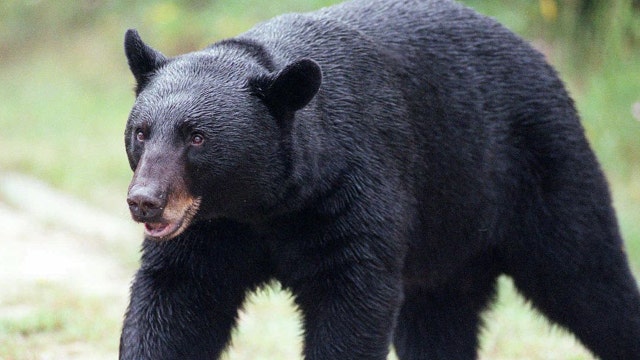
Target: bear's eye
140,135
197,139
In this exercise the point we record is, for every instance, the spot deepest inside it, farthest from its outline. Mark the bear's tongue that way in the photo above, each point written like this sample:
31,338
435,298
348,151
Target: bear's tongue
159,230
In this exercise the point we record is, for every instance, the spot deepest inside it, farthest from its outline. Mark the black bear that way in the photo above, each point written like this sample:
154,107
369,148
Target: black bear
385,161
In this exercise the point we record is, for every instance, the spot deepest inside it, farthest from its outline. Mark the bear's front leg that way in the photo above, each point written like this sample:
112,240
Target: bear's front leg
185,296
350,313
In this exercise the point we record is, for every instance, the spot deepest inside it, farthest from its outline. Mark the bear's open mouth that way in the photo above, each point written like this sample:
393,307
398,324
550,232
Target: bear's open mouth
175,220
161,230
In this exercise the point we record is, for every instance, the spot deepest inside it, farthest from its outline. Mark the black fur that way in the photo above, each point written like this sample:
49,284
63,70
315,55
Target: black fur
143,60
385,161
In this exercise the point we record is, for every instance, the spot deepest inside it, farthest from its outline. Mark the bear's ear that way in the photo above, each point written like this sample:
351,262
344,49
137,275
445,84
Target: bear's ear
142,59
291,88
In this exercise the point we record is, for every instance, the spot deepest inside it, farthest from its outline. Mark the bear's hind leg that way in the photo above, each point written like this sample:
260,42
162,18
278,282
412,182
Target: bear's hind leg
443,323
575,272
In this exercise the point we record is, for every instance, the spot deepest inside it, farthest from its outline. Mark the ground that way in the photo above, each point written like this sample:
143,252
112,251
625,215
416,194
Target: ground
64,286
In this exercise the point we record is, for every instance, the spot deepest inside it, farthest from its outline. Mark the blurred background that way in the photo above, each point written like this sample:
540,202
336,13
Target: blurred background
67,247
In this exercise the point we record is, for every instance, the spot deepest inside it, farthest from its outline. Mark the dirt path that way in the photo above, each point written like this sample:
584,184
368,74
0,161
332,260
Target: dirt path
50,239
50,236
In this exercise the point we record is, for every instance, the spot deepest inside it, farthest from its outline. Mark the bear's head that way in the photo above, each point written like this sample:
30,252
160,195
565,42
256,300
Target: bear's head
207,136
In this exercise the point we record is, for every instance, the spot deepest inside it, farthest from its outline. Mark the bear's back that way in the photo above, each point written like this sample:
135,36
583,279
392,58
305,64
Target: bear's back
464,56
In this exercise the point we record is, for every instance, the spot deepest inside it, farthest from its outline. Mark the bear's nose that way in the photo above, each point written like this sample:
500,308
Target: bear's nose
144,206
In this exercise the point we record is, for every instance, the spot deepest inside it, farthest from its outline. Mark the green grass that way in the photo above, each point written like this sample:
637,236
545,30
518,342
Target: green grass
47,320
65,98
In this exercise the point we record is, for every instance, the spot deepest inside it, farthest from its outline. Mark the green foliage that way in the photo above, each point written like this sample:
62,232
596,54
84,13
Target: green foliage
178,25
589,32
